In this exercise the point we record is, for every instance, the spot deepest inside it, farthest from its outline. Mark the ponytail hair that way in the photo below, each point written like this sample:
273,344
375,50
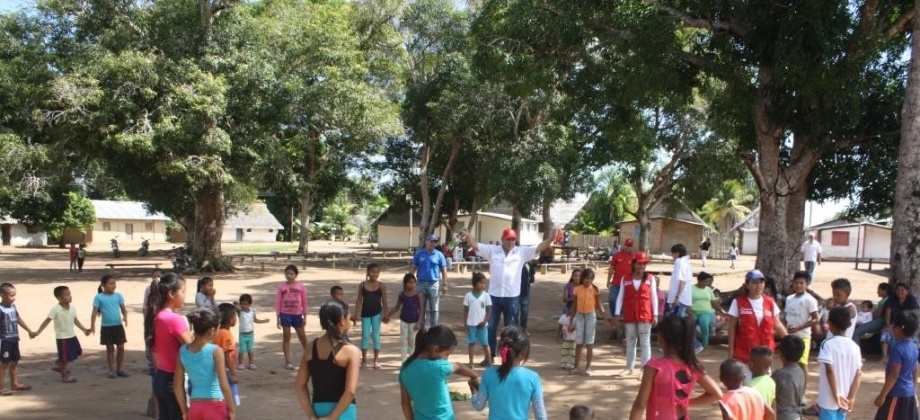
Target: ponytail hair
203,320
105,279
679,336
331,313
159,295
437,336
513,344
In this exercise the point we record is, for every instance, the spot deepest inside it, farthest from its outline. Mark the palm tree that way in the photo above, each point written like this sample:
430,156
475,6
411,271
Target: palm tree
729,206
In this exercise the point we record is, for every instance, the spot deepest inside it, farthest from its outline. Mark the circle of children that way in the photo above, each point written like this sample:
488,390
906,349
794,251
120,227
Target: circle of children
194,371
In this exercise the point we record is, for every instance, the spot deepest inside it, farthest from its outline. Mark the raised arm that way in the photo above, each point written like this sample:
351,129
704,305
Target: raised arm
471,242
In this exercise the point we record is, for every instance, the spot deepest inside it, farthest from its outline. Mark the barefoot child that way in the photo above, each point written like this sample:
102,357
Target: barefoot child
331,367
248,319
9,340
110,305
423,377
224,339
64,316
668,381
372,302
477,310
510,390
840,368
584,319
409,304
204,298
740,402
897,399
164,332
205,365
790,379
291,309
566,337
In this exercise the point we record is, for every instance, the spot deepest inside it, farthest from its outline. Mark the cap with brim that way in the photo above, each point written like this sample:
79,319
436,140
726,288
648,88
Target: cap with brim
753,275
509,234
629,242
433,238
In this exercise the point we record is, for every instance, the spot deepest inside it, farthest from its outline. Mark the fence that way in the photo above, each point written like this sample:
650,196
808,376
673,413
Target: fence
596,241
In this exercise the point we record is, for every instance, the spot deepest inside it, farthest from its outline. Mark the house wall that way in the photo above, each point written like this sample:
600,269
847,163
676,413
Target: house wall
665,233
749,241
870,241
250,235
20,236
397,237
117,228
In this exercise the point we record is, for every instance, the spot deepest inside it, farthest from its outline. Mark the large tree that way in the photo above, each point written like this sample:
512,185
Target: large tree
905,239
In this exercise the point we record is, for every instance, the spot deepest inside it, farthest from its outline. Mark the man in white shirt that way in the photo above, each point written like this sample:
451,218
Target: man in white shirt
679,295
811,254
505,264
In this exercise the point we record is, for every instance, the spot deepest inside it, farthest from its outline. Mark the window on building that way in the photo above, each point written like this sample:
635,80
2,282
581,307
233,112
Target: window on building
31,229
106,226
840,238
271,230
148,226
249,230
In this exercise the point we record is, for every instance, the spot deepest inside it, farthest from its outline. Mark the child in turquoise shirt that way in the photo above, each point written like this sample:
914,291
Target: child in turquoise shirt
422,379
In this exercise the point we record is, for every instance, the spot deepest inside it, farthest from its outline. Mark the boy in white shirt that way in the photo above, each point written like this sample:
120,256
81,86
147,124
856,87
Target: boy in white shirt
477,308
801,316
840,372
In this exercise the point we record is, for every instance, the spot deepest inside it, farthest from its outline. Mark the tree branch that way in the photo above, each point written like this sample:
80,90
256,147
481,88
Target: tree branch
901,24
691,22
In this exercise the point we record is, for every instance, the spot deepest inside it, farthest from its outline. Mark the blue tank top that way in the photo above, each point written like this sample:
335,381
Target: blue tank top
410,308
201,373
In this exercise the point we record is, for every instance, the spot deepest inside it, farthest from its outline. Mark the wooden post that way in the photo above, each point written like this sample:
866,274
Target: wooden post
565,268
263,265
870,264
333,260
543,269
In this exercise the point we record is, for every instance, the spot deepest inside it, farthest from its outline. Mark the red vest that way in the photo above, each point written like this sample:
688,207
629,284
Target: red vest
749,334
637,304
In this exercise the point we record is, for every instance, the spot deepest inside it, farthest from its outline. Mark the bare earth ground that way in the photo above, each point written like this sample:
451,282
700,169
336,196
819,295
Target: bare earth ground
267,393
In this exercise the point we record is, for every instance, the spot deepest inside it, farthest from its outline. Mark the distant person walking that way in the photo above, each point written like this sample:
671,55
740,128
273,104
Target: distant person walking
704,249
73,257
430,268
506,261
811,255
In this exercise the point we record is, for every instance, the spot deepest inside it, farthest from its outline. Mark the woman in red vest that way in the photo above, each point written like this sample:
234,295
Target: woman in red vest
753,320
637,307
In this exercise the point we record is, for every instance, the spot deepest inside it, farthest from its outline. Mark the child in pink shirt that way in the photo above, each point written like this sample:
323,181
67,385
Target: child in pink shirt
291,308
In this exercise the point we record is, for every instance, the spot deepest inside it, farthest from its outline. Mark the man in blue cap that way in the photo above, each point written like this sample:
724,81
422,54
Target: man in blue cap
430,268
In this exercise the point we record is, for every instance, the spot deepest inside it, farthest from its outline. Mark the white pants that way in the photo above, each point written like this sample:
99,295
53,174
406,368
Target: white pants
641,331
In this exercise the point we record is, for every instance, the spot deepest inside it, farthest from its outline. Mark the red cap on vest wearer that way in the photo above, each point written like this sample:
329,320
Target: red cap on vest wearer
641,258
629,242
509,234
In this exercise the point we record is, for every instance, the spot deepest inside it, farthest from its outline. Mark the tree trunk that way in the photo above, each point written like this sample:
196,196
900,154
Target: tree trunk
208,230
474,217
306,208
905,233
645,226
548,218
435,215
516,222
452,219
424,160
782,181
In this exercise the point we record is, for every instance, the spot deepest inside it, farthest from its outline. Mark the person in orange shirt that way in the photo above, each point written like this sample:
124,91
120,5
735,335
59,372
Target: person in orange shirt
224,340
583,316
740,402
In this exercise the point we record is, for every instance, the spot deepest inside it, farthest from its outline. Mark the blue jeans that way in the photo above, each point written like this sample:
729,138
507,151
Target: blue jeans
524,312
810,268
507,306
869,327
612,298
431,291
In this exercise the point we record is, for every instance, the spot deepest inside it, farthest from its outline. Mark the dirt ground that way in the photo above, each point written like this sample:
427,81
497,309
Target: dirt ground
267,393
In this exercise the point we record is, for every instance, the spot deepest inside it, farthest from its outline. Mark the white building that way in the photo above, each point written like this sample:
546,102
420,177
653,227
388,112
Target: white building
843,240
393,228
18,234
253,224
127,221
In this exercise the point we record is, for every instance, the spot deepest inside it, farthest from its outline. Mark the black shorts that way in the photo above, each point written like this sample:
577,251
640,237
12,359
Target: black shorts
9,351
112,335
69,349
900,408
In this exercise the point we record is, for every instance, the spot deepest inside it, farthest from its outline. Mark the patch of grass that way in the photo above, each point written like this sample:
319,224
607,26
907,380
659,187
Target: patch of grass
459,396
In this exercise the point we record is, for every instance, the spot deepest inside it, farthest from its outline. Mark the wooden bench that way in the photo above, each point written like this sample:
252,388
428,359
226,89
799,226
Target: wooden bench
112,266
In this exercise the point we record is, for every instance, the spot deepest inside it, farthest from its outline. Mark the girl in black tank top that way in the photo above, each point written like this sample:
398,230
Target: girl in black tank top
327,368
372,302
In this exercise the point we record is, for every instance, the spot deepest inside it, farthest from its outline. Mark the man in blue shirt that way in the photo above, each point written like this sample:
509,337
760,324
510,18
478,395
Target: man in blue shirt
430,269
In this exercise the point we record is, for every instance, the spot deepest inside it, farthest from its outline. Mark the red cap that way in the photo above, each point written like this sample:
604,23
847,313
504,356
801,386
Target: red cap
640,257
509,234
629,242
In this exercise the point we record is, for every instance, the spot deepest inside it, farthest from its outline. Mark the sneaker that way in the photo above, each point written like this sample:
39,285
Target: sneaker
252,366
625,373
586,372
240,366
111,375
123,374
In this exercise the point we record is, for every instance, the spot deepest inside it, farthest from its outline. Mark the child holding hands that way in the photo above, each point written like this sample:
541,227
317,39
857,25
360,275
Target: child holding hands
64,316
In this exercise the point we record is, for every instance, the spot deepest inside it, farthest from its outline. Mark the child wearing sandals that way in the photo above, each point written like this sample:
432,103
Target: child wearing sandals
9,340
372,302
110,306
64,316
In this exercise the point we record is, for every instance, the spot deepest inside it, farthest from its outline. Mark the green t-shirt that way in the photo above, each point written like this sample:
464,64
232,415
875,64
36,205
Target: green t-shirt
702,299
766,387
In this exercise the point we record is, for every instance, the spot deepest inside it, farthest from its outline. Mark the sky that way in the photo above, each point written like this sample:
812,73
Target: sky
10,5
